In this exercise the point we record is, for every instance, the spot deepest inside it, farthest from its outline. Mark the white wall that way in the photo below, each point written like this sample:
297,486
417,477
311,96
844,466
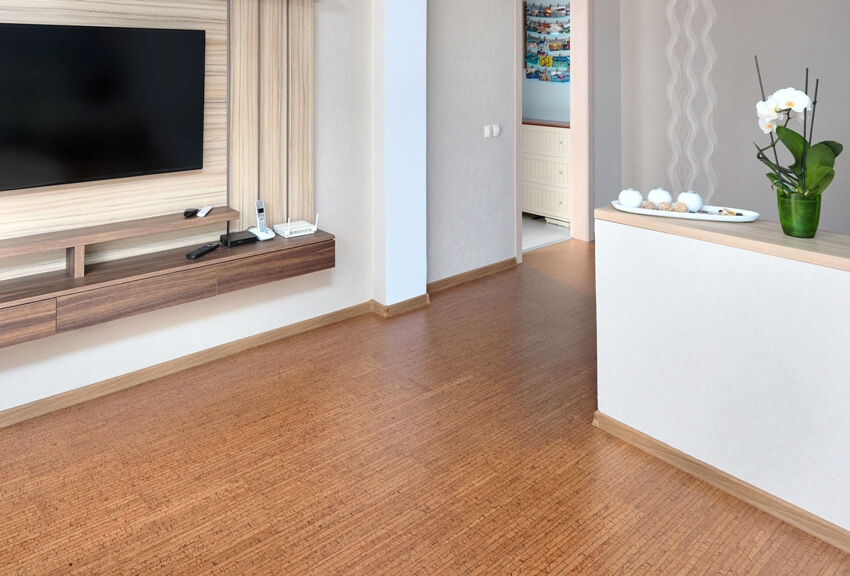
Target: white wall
786,38
343,197
471,180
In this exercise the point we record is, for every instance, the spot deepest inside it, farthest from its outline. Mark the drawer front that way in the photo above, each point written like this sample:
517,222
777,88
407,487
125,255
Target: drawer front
546,201
248,272
545,170
546,140
27,322
113,302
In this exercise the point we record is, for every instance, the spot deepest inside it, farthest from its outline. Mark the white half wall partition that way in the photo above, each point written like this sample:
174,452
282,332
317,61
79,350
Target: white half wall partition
727,343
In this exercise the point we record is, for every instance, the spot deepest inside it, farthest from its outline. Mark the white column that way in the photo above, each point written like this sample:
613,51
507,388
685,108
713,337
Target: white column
399,150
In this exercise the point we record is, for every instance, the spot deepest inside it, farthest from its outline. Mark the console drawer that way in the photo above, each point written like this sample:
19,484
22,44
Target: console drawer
249,272
27,322
113,302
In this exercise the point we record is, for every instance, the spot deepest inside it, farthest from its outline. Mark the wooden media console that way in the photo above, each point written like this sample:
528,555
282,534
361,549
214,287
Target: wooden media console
41,305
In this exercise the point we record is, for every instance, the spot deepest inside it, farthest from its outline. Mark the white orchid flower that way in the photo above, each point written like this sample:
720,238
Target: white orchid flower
800,118
768,125
768,109
791,98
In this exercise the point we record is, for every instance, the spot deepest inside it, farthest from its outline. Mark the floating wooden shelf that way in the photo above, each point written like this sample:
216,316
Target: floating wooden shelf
75,241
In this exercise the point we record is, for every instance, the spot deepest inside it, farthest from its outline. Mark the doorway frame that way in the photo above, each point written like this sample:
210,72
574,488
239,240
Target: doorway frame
581,121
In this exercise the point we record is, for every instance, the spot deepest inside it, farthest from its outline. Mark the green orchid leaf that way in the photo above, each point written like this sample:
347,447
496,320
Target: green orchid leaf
836,147
769,163
818,178
794,143
781,178
762,157
819,168
784,184
819,155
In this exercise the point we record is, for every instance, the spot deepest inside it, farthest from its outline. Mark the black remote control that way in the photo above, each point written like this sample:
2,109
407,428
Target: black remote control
198,252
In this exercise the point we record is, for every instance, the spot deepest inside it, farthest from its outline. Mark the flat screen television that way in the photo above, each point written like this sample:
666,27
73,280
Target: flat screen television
83,103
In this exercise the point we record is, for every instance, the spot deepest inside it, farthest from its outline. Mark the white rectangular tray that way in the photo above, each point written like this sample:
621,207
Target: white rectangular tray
707,213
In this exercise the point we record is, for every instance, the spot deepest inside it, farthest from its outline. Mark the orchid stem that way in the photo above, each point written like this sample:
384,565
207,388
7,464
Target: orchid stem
814,109
805,142
772,140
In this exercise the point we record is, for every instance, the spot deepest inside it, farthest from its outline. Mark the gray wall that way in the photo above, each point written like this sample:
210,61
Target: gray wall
471,180
607,105
786,36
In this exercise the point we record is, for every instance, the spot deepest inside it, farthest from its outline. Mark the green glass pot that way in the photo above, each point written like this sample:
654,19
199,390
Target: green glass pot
799,215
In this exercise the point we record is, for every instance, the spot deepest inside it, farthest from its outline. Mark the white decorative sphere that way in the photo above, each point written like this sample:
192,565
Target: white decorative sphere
691,199
659,195
630,198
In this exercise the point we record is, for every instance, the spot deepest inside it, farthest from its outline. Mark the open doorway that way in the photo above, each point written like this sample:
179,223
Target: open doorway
577,166
545,130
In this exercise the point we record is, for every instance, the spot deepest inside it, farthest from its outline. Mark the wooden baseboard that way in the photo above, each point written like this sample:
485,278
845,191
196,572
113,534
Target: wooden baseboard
508,264
806,521
72,397
385,311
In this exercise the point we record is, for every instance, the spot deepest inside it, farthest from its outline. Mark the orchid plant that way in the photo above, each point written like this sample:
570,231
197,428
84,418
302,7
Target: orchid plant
813,167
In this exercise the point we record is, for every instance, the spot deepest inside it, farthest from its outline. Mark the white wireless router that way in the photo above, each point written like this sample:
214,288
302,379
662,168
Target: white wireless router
300,228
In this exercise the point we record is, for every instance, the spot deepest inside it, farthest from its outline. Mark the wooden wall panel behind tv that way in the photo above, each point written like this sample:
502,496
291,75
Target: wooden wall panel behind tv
35,210
244,113
274,58
301,182
272,146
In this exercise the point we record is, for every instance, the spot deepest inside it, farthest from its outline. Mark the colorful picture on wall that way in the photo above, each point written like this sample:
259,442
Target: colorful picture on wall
547,42
547,11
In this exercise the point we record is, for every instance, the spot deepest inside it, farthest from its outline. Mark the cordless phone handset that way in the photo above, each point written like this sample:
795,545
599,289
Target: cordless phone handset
261,216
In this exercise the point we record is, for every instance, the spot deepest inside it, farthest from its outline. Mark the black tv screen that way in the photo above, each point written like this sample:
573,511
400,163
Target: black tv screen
82,103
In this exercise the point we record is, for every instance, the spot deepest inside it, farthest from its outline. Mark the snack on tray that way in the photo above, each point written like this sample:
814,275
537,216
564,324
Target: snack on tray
647,205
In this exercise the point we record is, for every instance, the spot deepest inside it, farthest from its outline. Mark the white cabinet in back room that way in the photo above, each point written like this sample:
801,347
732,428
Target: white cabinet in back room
545,172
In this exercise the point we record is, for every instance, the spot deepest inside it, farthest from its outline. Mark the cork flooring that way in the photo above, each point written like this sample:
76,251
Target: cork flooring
454,439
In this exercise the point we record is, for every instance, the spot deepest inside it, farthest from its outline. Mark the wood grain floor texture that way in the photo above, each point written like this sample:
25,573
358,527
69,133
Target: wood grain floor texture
455,440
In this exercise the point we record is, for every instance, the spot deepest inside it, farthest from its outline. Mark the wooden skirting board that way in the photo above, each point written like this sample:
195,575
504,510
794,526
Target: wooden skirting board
806,521
72,397
471,275
385,311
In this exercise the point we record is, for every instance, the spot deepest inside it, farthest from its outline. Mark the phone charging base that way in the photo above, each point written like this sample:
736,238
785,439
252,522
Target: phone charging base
267,235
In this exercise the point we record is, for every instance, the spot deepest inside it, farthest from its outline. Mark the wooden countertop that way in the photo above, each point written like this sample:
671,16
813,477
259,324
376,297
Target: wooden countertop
828,249
550,123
